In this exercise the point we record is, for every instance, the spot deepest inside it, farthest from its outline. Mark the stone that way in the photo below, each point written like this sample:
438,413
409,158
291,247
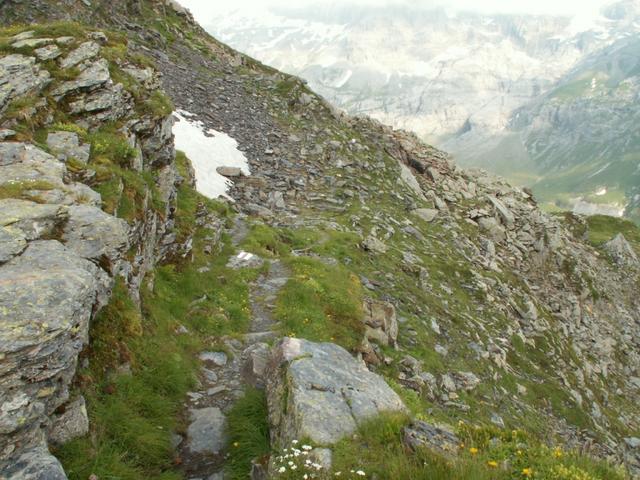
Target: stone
22,36
70,424
244,260
84,52
320,392
419,434
229,171
6,133
32,220
505,214
31,42
466,380
95,75
47,296
12,243
497,420
490,226
409,179
219,359
381,322
99,37
206,432
95,235
34,464
373,245
66,145
19,76
621,251
255,367
48,52
426,214
632,442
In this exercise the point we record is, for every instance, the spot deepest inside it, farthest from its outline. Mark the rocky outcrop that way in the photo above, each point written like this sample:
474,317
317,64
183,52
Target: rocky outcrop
320,392
59,251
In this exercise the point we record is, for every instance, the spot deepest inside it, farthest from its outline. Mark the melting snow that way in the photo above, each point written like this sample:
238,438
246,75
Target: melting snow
208,150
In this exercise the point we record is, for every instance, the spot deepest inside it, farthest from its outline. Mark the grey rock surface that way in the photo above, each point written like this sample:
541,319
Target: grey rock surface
319,391
72,423
206,432
67,145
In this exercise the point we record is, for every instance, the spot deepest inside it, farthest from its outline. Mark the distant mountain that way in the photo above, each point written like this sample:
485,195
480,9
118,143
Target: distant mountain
473,84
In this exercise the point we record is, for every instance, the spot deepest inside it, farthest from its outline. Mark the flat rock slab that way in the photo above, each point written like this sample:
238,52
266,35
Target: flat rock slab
217,358
206,433
244,260
320,392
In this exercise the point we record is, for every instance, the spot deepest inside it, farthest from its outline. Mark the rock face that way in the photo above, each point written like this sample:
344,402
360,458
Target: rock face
319,391
381,324
59,251
621,252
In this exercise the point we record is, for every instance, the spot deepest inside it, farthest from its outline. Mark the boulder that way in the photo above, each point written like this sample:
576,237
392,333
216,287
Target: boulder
48,52
373,245
320,392
426,214
229,171
505,214
420,434
381,323
33,464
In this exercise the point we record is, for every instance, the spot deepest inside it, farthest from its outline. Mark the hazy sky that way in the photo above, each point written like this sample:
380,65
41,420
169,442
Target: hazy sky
206,8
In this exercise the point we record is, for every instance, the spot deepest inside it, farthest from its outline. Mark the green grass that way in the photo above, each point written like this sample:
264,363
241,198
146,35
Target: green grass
248,434
602,228
21,189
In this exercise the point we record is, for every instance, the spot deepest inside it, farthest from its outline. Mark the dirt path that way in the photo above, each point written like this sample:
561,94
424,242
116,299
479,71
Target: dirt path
226,374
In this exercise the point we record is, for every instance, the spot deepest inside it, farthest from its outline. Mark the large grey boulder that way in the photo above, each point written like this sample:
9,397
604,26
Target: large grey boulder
47,296
426,214
320,392
19,75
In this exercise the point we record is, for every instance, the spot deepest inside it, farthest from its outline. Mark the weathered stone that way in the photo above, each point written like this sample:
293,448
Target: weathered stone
219,359
95,235
33,464
206,432
12,243
19,75
255,367
381,321
505,214
47,295
95,75
33,220
70,424
621,251
420,434
244,260
67,145
319,391
84,52
49,52
31,42
491,227
229,171
426,214
373,245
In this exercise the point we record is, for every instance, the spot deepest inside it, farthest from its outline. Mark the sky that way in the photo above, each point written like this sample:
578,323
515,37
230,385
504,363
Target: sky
204,9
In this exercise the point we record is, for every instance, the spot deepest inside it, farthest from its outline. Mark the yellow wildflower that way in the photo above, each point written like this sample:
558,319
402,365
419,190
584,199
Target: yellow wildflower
473,450
492,463
557,452
527,472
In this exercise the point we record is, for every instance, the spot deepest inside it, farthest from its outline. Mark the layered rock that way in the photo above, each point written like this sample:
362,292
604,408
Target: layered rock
320,392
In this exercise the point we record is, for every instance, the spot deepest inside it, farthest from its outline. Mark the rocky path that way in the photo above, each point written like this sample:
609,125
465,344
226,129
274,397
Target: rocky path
228,372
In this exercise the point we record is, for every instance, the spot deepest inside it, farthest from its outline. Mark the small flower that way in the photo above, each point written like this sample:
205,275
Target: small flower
492,463
295,442
527,472
557,452
282,470
236,444
473,450
361,473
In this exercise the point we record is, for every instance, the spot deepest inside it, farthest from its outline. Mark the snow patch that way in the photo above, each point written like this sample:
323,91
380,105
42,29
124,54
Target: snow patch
208,150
